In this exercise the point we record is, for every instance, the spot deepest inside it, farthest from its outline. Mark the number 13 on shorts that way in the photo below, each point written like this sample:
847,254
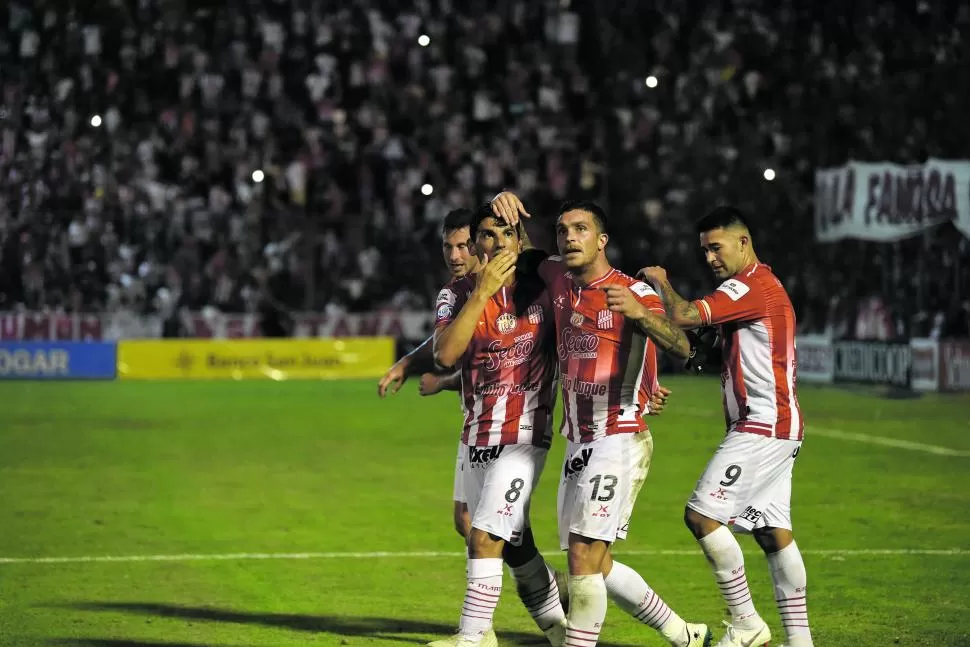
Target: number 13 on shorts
599,486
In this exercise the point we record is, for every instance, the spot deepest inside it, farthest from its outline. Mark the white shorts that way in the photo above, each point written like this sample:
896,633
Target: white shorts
459,490
498,483
599,486
748,482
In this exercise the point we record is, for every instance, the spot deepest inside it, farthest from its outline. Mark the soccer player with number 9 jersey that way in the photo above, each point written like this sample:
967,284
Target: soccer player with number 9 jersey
748,482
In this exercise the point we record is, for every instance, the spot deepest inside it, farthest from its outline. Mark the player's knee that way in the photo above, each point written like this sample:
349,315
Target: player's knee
771,540
522,554
483,545
586,555
698,524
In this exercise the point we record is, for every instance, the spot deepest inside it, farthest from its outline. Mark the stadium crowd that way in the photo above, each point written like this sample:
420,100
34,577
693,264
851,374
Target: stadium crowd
157,155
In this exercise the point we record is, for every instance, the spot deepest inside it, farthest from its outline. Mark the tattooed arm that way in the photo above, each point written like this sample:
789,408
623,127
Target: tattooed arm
667,335
683,313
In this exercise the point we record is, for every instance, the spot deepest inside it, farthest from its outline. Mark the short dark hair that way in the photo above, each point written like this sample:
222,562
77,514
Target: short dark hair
455,220
599,215
719,217
481,213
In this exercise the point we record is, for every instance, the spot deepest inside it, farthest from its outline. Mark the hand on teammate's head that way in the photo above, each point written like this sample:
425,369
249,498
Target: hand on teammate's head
508,207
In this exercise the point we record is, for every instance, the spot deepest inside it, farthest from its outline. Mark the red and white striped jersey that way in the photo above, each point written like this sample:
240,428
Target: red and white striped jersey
508,372
608,365
757,324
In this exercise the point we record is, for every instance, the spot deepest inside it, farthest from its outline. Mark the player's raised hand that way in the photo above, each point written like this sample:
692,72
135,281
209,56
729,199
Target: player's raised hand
620,298
430,384
658,401
652,274
495,272
508,207
393,379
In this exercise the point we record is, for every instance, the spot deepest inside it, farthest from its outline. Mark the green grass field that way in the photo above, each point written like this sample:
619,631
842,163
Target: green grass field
188,470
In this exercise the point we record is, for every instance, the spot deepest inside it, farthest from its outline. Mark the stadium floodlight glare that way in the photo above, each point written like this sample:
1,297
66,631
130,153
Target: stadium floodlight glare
769,174
258,176
426,189
424,40
651,81
96,121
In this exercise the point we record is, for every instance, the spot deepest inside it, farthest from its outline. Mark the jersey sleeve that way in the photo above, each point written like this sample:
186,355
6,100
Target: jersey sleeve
449,303
733,300
648,297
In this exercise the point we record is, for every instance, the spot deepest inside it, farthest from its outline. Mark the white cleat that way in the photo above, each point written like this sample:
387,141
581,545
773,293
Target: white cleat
698,635
488,639
745,638
556,634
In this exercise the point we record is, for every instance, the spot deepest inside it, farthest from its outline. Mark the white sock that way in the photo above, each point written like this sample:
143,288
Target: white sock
481,597
791,586
587,610
535,583
632,594
726,559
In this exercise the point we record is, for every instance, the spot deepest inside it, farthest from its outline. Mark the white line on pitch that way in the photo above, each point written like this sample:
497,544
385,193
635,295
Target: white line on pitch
863,552
882,440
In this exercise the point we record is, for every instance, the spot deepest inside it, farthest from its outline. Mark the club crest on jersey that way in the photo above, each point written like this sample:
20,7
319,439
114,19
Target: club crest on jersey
604,319
576,319
505,323
535,314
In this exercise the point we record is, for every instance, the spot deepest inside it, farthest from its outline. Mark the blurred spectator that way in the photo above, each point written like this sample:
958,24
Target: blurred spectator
156,156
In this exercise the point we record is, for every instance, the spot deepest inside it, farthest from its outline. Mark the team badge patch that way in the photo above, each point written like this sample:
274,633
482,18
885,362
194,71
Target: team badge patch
604,319
577,319
505,323
535,314
444,311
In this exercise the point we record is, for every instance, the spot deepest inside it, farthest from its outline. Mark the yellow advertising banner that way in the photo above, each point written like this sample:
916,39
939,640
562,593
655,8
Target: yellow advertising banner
246,359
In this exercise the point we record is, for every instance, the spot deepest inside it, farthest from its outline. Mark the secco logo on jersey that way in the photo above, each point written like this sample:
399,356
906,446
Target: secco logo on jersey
577,345
505,323
734,288
514,355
